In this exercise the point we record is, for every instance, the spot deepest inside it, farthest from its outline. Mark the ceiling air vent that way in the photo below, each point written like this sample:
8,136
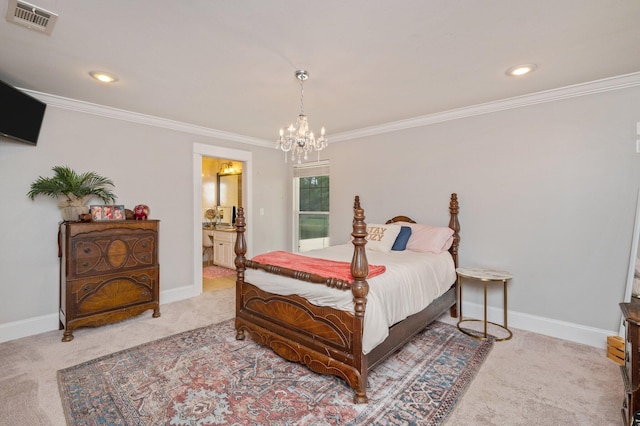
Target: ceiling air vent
30,16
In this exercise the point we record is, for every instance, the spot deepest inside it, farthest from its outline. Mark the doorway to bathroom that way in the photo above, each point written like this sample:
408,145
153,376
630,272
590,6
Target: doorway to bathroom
221,198
222,184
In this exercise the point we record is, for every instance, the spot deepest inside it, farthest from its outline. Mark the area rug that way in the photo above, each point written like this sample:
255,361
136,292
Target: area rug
205,377
211,272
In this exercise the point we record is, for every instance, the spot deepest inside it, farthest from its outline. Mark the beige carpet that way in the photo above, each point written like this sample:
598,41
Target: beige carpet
538,380
529,380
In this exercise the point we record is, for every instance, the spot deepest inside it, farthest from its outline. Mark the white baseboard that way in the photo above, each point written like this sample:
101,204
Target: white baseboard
591,336
176,294
29,327
562,330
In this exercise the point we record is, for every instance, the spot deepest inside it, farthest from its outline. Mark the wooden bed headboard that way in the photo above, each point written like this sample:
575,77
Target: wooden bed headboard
401,219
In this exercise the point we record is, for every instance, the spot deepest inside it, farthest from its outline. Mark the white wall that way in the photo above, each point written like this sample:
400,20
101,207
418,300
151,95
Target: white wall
547,192
148,164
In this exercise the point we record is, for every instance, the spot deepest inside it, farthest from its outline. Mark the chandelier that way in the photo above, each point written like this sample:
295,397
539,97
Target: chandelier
299,140
227,168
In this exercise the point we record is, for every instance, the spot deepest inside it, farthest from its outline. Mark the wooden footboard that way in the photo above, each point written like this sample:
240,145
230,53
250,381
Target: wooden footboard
327,340
322,338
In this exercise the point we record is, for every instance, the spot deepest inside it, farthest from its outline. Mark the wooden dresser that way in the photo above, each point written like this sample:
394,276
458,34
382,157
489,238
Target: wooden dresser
108,272
631,368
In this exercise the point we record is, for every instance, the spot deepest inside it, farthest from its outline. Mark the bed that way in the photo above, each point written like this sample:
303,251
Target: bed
324,333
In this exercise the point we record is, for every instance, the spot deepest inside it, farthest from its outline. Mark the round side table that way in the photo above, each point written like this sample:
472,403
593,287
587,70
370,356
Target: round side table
486,276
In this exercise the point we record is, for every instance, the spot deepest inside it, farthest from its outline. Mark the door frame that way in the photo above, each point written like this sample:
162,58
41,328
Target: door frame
203,150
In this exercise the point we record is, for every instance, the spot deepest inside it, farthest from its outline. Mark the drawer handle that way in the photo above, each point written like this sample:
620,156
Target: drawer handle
86,288
144,293
145,278
85,264
145,244
144,258
87,250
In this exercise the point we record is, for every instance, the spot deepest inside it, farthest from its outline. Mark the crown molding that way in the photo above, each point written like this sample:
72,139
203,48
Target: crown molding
582,89
149,120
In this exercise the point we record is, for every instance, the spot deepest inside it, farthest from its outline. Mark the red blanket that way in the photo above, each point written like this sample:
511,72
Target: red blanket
313,265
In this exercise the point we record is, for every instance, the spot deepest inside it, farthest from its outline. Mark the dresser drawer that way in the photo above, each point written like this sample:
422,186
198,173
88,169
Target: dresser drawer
100,294
86,249
143,249
106,252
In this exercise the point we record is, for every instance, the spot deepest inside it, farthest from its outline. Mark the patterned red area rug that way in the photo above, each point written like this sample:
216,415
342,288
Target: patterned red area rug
206,377
211,272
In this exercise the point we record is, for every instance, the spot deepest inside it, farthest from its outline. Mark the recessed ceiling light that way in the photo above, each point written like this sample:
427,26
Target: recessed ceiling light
104,77
519,70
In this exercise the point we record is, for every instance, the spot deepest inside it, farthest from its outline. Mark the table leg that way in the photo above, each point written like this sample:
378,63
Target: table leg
485,309
460,317
505,305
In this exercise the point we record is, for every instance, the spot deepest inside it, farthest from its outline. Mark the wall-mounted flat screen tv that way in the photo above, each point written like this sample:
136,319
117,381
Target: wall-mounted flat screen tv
20,115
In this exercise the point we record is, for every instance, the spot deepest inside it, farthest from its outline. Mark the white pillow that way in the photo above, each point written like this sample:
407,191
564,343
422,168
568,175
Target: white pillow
429,239
381,237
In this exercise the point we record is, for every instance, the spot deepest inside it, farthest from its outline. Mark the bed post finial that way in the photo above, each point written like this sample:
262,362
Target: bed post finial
241,243
454,208
359,289
359,264
240,250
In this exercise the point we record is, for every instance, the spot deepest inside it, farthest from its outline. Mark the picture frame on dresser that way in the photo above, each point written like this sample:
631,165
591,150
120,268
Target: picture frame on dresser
107,212
96,213
118,213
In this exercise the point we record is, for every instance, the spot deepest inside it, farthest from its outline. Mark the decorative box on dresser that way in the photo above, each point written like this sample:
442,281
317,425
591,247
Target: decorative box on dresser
108,272
631,368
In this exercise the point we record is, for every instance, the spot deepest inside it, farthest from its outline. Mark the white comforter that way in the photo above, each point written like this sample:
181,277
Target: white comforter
410,283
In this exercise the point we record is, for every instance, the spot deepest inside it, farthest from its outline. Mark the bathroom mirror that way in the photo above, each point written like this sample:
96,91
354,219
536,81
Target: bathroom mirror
229,196
230,190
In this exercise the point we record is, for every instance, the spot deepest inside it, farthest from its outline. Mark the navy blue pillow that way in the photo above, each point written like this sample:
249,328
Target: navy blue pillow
401,240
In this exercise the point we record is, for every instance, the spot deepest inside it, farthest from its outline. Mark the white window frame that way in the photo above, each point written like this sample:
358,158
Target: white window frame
320,168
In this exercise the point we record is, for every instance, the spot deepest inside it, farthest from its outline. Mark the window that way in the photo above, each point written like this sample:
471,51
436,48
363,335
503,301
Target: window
311,206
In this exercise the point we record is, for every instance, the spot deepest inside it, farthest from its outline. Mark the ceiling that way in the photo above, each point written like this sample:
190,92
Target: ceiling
229,64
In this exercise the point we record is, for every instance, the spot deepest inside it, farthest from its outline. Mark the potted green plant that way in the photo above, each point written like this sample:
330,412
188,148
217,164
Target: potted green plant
77,188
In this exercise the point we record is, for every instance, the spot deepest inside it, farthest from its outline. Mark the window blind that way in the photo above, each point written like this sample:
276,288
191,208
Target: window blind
308,170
